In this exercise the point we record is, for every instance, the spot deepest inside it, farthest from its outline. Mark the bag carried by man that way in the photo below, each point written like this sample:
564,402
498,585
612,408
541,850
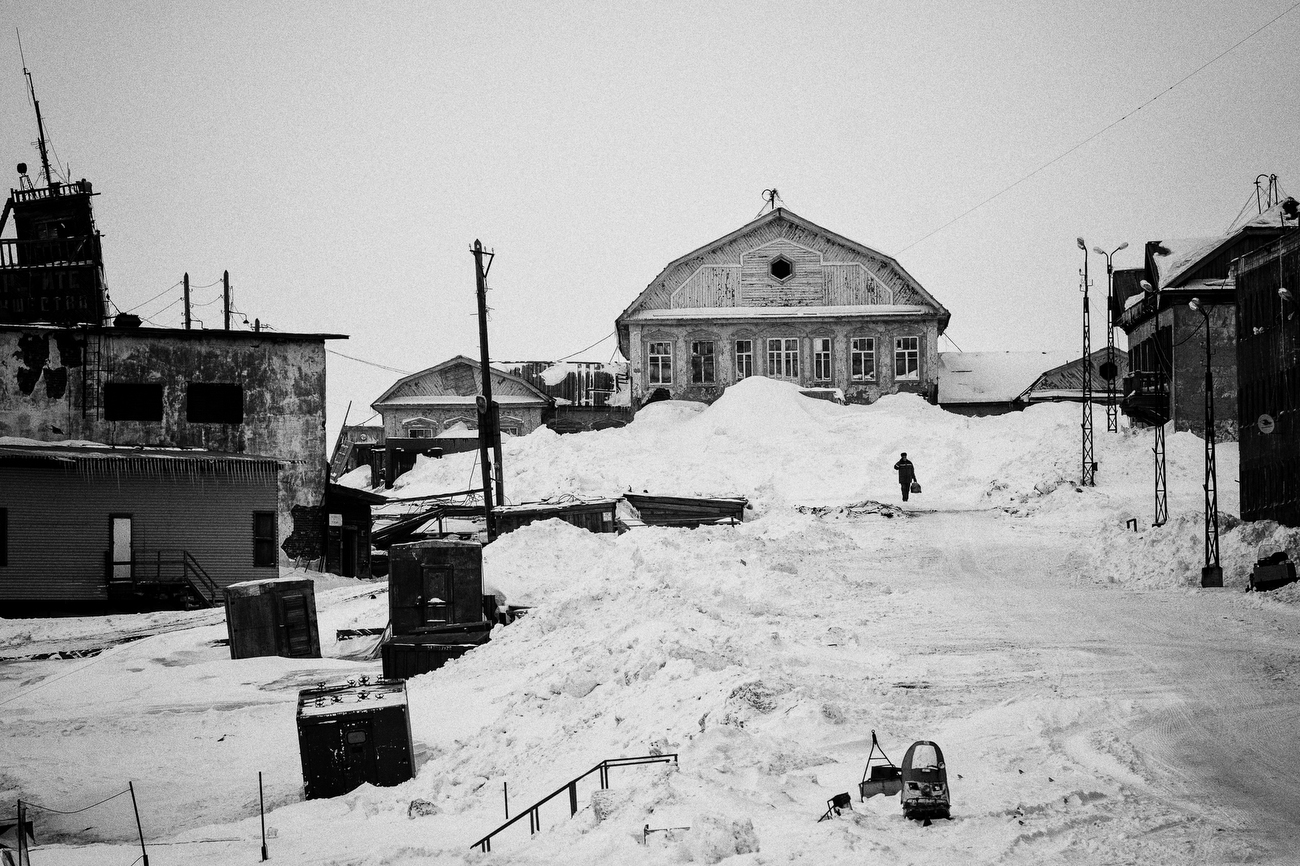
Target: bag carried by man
916,486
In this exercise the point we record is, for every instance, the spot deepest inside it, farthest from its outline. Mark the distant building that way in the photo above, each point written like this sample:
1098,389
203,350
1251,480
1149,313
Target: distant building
994,383
784,298
1268,379
1064,382
1167,339
441,401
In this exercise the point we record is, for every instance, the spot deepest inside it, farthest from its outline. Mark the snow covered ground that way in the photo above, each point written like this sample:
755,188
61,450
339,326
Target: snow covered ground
1094,704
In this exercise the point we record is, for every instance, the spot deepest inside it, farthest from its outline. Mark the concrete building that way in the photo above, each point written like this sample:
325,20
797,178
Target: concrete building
784,298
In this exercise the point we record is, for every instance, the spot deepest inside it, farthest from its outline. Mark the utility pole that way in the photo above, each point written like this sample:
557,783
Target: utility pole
187,301
1111,370
225,295
486,413
1088,471
1212,572
1162,497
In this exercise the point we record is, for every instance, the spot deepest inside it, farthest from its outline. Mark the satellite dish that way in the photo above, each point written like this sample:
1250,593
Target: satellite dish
1266,424
22,168
1108,370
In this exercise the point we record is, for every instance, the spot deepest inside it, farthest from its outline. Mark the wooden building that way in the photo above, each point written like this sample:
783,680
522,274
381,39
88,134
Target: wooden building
991,383
1268,375
346,532
95,527
1064,382
231,392
784,298
1167,339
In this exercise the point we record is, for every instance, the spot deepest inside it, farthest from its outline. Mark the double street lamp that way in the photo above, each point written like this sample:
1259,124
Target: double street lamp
1212,572
1111,370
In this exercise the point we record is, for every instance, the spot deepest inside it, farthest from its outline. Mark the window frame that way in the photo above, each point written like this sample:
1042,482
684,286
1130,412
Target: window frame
262,539
823,358
132,393
704,365
867,375
659,364
902,353
745,370
212,416
786,358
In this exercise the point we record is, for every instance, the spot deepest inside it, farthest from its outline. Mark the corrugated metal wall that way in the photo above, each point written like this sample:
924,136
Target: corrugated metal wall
59,525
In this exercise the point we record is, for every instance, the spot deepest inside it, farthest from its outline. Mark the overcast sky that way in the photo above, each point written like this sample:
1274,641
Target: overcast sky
340,159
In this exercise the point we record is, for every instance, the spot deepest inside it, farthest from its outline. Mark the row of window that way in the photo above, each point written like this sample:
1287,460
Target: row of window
205,402
783,359
121,553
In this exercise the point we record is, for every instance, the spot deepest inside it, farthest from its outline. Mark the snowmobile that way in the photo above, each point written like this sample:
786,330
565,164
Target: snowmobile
925,782
883,778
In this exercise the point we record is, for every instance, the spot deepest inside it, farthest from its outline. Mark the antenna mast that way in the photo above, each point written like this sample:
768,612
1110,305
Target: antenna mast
40,124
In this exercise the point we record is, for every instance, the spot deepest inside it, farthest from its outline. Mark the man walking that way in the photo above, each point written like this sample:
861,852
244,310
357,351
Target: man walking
906,474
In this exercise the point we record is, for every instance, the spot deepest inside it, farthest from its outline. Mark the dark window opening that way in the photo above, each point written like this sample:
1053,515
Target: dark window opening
264,538
214,403
4,536
133,401
781,268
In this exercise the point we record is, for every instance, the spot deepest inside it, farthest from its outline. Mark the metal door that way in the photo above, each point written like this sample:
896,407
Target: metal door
437,599
359,763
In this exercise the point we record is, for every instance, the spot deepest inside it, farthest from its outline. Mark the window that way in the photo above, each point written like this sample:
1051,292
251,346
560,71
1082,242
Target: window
133,401
264,538
4,536
419,433
821,359
744,359
702,362
783,358
659,363
862,359
907,358
214,403
781,268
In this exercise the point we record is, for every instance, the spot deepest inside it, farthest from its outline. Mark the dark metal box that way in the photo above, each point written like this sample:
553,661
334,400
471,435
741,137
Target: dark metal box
352,734
433,584
273,617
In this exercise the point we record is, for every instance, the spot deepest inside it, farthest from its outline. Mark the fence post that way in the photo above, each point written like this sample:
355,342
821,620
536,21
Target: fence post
505,793
261,807
144,855
573,798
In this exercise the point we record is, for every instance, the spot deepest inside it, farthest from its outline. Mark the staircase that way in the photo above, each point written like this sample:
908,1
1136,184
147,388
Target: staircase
534,811
161,575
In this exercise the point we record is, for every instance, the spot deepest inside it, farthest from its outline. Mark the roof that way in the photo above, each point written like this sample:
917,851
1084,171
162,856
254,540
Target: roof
735,313
344,492
413,390
1067,378
884,269
94,458
992,377
1184,254
264,335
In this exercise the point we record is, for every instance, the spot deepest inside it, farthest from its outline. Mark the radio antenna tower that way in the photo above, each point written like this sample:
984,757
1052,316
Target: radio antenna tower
40,124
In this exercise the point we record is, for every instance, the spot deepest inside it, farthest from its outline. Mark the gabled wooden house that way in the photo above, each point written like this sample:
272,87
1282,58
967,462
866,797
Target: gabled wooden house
1167,339
784,298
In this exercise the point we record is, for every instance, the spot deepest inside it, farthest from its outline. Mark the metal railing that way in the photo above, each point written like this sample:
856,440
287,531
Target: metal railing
157,568
51,253
534,811
77,187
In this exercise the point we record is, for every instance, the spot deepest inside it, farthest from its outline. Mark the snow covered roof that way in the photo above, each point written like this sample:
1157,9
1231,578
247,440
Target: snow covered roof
992,377
96,459
458,400
1181,255
734,313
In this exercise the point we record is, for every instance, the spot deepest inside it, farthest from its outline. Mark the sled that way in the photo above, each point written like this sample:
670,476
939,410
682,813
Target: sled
882,778
925,782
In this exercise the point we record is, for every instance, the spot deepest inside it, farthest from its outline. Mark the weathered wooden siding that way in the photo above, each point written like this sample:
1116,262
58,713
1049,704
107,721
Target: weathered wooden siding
710,286
59,526
852,285
758,288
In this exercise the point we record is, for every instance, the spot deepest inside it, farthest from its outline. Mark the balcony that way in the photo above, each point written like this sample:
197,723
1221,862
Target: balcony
52,253
54,190
1146,397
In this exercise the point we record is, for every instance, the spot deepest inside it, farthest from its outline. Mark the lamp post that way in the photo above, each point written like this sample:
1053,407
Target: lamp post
1160,388
1088,471
1212,572
1111,371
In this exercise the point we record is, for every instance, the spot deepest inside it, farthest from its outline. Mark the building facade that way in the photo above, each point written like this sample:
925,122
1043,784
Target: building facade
424,404
234,392
784,298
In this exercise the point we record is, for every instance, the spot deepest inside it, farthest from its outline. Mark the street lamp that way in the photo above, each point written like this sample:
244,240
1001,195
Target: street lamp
1088,472
1212,572
1111,371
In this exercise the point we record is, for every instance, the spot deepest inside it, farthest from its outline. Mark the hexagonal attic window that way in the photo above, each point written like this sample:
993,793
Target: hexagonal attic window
781,268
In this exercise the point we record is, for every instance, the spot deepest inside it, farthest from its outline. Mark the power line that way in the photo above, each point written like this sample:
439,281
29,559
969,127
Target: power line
1105,128
592,346
370,363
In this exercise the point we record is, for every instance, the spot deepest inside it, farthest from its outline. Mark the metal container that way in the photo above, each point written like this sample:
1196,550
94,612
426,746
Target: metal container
273,617
433,584
352,734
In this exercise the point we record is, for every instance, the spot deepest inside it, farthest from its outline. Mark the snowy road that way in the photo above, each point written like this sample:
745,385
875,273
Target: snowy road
1186,698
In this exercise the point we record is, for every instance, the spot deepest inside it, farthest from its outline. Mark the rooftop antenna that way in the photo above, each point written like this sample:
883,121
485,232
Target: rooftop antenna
771,196
40,124
1270,195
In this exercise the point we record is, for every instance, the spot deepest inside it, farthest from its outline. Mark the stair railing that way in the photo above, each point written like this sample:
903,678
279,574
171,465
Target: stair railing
534,811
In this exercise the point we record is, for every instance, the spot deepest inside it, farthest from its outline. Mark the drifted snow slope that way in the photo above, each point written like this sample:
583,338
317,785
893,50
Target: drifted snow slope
1094,706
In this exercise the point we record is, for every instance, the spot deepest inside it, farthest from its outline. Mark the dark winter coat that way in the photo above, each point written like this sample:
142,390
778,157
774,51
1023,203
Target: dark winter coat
906,472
